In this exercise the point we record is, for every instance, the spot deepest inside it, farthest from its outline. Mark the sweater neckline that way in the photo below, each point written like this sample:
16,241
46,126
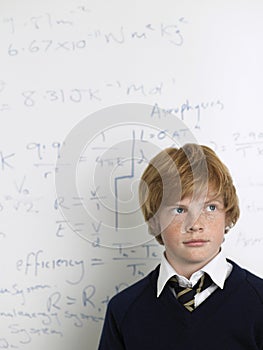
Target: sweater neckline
205,310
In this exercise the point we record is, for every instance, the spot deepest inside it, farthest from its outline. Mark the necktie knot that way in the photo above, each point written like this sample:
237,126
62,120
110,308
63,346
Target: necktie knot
185,295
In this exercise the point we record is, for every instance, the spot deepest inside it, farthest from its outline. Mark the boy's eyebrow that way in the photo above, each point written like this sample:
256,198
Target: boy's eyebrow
214,200
176,204
209,200
220,201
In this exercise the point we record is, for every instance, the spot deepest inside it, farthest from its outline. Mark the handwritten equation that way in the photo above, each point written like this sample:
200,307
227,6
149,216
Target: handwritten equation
42,309
171,33
244,143
185,110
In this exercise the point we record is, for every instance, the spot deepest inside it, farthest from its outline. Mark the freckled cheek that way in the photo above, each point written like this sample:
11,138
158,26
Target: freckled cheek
217,233
171,234
171,224
218,224
171,242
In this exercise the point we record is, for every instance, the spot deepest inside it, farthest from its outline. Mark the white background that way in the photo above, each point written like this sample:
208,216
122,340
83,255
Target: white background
61,61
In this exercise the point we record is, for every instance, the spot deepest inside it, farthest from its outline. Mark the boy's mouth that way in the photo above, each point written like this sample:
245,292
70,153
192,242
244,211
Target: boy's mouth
195,242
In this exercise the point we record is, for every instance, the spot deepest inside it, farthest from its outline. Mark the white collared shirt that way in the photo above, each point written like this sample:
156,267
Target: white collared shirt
218,269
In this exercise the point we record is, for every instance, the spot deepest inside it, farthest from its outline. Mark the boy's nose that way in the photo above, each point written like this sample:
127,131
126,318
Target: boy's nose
195,228
194,223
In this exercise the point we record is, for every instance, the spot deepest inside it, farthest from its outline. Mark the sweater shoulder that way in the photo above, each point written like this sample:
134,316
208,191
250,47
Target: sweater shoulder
121,302
256,283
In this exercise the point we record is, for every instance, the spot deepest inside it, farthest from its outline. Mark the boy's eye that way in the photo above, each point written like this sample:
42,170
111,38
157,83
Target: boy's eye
211,207
178,210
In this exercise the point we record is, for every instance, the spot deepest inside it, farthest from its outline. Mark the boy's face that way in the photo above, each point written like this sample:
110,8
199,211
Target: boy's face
193,231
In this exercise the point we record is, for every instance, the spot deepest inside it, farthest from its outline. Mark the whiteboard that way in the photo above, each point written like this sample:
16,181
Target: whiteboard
89,91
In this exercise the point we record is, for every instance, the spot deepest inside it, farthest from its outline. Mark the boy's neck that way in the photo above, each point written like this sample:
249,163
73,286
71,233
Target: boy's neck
187,269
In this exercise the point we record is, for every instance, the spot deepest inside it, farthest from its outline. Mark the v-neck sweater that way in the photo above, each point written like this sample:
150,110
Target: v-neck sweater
229,319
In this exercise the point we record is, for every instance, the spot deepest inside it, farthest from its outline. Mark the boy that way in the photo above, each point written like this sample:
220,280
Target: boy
195,299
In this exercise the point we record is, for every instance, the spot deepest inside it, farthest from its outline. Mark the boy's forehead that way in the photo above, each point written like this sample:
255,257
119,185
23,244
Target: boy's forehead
210,193
201,192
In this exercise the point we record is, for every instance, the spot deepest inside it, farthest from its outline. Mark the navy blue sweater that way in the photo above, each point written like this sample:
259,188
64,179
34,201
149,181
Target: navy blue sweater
229,319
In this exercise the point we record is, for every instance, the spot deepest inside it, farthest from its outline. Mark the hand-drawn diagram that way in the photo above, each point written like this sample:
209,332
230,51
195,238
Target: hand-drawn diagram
108,152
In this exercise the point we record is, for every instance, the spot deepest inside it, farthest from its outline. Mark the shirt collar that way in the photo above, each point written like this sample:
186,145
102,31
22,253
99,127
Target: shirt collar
218,269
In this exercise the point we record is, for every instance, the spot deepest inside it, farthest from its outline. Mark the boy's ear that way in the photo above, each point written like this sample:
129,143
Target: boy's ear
228,224
227,228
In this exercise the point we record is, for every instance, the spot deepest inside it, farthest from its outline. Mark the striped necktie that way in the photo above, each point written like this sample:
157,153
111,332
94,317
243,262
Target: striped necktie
186,295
